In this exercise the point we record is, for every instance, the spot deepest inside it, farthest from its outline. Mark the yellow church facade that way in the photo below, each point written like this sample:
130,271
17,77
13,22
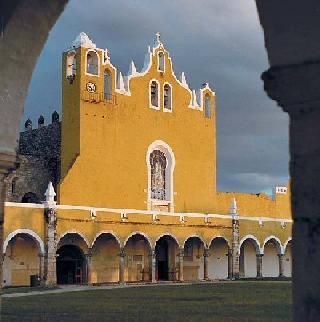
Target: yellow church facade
136,199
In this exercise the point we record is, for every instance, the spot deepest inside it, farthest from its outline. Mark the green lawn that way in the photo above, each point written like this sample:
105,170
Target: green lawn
242,301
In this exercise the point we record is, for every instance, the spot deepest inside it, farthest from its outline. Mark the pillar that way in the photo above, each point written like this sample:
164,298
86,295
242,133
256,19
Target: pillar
51,249
89,266
296,89
259,265
181,254
235,248
121,265
153,265
41,267
281,258
206,255
229,254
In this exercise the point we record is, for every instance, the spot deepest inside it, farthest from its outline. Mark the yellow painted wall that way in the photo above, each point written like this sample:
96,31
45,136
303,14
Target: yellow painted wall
111,169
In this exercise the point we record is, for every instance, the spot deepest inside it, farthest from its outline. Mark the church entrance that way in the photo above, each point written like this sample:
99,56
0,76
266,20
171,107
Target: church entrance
71,265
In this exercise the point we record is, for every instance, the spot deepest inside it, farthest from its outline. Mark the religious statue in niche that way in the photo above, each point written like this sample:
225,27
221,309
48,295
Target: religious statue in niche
158,164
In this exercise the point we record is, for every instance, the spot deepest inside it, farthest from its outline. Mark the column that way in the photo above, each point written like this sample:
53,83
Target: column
206,254
281,258
89,266
153,265
50,265
181,254
41,267
259,265
235,248
121,265
296,89
229,254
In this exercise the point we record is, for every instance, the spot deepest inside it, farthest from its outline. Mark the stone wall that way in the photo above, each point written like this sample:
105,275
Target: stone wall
38,162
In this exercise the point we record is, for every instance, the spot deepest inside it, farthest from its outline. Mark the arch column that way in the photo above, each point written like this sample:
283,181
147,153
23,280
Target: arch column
229,254
122,256
259,265
181,255
41,267
281,258
153,265
206,254
51,260
89,266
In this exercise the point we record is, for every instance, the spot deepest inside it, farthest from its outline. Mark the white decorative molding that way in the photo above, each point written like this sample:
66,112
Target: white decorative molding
195,236
257,243
73,232
50,195
24,231
234,209
166,234
138,233
222,237
278,242
286,244
105,232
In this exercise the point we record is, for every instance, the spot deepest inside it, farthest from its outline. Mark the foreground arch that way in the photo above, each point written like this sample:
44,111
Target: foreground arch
272,251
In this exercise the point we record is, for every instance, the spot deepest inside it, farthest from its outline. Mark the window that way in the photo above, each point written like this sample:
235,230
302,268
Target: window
71,66
154,95
107,85
92,63
207,106
158,164
167,101
161,62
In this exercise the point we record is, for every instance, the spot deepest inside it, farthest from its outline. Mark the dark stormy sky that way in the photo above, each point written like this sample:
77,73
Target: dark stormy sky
217,41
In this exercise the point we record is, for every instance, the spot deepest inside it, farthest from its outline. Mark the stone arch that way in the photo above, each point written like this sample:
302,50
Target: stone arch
110,232
29,232
169,170
193,258
167,234
277,243
138,233
22,249
218,264
249,249
289,240
105,250
74,232
167,250
195,236
254,239
271,250
137,249
222,237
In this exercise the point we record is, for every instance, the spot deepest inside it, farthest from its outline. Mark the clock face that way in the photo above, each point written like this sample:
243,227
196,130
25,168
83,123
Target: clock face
91,87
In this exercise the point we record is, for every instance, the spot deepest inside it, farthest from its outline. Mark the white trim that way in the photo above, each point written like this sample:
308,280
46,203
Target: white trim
171,100
158,95
219,236
195,236
86,62
257,246
166,234
105,232
73,231
286,244
171,161
29,232
148,212
279,246
138,233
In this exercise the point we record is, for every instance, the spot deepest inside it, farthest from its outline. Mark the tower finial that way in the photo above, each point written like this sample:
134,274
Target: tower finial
158,36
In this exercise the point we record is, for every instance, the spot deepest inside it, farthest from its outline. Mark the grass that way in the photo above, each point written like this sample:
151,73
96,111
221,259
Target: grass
243,301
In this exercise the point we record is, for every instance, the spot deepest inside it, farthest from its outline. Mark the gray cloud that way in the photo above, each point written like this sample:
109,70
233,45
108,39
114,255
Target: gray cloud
211,40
